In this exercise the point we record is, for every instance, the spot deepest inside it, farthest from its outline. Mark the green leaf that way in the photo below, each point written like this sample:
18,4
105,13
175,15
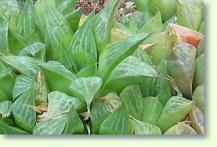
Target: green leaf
144,128
8,130
199,71
99,112
58,77
130,71
25,65
103,24
131,98
143,55
82,49
152,109
54,126
197,120
8,78
27,21
116,123
153,25
57,33
3,96
174,111
23,111
163,85
9,7
22,83
161,48
199,97
5,108
88,71
60,103
181,129
66,6
4,36
190,13
73,18
73,125
115,52
86,88
36,49
181,65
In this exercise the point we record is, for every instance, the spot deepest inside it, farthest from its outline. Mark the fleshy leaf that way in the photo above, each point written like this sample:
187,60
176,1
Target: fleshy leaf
181,65
103,24
4,36
36,49
116,123
181,129
197,120
152,109
3,96
162,46
130,71
73,18
115,52
186,35
88,71
174,111
82,49
22,83
8,130
8,78
199,97
60,103
25,65
5,108
190,13
144,128
99,112
23,112
153,25
65,6
86,88
131,98
58,77
54,126
199,71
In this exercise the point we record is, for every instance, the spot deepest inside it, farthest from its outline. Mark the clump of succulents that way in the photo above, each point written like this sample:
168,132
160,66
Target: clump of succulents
64,73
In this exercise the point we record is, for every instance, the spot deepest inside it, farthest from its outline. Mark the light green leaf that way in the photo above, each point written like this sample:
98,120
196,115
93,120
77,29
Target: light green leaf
174,111
99,112
82,49
36,49
88,71
144,128
181,65
8,78
4,36
152,109
60,103
58,77
86,88
65,6
73,18
25,65
115,52
54,126
22,83
131,98
153,25
103,24
116,123
9,7
199,71
23,111
181,129
5,108
190,13
8,130
199,97
130,71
